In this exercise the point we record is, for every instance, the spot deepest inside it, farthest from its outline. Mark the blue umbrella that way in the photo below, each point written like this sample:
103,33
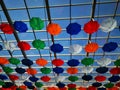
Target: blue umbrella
73,62
73,28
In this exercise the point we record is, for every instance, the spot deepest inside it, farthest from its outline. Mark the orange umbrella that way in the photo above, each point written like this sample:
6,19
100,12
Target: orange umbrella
3,61
23,87
52,88
91,47
113,88
54,29
31,71
41,62
72,70
82,88
92,88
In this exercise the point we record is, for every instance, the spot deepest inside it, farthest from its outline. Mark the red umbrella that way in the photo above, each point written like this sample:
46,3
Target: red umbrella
57,62
100,78
6,28
24,45
45,78
13,77
91,27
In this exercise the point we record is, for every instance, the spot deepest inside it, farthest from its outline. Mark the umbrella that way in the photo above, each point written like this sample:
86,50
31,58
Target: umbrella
73,28
54,29
36,23
108,24
75,49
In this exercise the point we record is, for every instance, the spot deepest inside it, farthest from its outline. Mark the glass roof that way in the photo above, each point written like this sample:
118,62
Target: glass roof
62,12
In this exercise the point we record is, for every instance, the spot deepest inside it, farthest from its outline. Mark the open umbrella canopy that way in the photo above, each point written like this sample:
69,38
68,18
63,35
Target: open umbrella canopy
73,28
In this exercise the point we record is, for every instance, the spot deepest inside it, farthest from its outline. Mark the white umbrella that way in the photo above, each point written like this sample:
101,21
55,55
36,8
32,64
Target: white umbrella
104,61
60,78
108,24
76,48
10,46
87,69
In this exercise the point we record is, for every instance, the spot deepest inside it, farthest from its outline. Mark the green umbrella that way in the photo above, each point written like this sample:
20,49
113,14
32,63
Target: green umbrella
1,83
71,88
8,70
45,70
14,61
87,61
38,44
109,85
38,84
73,78
117,62
36,23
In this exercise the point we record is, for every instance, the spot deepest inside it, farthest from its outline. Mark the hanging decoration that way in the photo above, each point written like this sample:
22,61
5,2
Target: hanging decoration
91,88
108,47
108,24
38,44
75,49
60,85
91,47
31,71
97,84
10,46
3,77
73,62
114,78
82,88
38,84
101,70
72,70
113,88
57,62
104,61
87,77
27,62
117,63
3,61
23,87
100,78
115,70
45,78
73,28
36,23
109,85
33,79
71,85
60,78
58,70
20,26
13,77
20,70
87,61
6,28
87,69
91,27
45,70
54,29
7,69
73,78
41,62
56,48
23,45
64,88
14,61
